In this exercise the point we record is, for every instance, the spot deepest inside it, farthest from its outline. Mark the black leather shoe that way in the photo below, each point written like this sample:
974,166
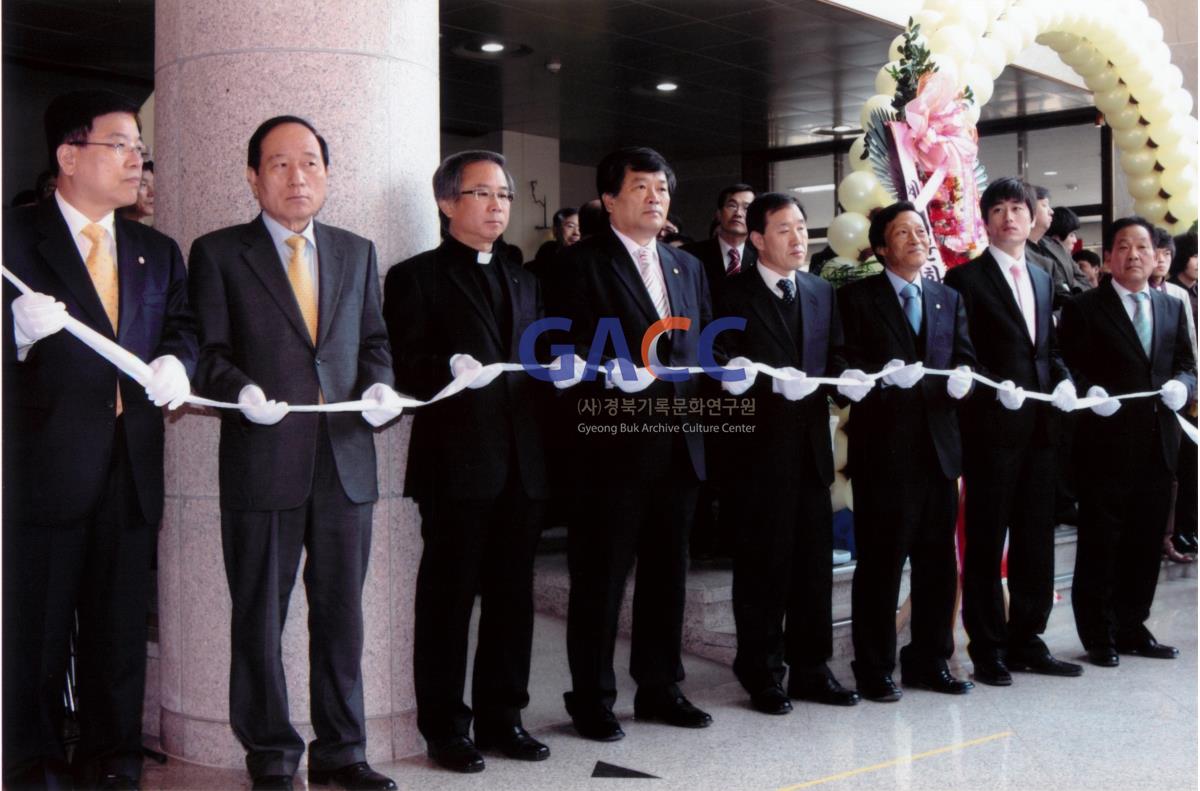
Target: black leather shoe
1045,664
993,672
356,777
880,689
1147,646
117,782
822,689
670,709
456,753
273,783
595,721
514,742
1103,657
772,700
938,680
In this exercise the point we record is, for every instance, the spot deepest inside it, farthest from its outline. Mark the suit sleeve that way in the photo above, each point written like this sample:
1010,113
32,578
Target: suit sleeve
420,370
179,322
216,374
1073,336
374,355
1184,365
1058,367
964,350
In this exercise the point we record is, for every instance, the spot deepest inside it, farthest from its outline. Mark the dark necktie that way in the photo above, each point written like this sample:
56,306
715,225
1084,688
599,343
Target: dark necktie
735,262
786,287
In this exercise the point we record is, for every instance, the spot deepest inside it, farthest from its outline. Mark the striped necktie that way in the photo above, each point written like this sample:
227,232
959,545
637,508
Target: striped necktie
652,276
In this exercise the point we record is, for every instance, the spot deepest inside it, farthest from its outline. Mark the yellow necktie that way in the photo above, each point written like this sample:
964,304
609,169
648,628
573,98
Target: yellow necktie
302,284
103,270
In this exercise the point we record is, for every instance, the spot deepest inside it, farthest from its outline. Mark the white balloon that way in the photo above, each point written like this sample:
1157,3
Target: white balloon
1157,112
981,84
1094,63
946,64
1058,40
1178,156
1150,30
856,151
878,101
857,191
1008,36
1134,137
990,54
1113,100
1024,21
848,234
885,83
1076,54
897,44
1144,187
1105,80
1173,76
929,20
1152,209
995,8
1137,9
972,16
1178,181
972,114
1124,117
1180,101
1168,132
1183,206
954,41
1137,162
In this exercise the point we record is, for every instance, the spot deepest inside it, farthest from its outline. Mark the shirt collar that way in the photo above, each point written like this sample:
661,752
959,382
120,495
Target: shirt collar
726,247
77,221
1123,292
1005,260
772,279
898,283
280,234
633,246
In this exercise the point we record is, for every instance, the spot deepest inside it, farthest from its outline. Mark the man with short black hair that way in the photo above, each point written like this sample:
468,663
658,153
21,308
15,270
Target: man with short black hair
1124,337
83,448
1048,253
726,253
1060,240
1008,444
289,312
636,490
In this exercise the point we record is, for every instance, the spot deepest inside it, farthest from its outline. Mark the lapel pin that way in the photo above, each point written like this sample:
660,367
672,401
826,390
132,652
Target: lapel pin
141,260
675,270
937,307
516,281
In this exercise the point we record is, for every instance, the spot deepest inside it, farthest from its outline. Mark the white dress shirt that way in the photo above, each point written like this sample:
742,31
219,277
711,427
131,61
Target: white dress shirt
772,280
1130,304
280,235
1023,292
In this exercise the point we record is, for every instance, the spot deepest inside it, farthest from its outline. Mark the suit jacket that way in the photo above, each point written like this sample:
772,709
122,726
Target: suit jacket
709,253
1141,439
251,332
434,308
886,425
1003,351
1074,277
59,402
596,278
790,437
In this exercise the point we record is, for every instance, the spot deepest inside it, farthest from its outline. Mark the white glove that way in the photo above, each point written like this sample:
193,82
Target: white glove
1011,396
642,378
576,365
744,364
466,365
36,316
1106,407
797,387
901,375
856,393
389,404
257,409
958,384
1064,396
1174,395
169,385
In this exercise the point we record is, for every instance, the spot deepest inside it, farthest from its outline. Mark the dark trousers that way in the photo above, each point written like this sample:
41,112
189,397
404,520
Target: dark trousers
1008,491
1185,498
1117,558
644,519
98,567
262,554
904,513
782,579
485,548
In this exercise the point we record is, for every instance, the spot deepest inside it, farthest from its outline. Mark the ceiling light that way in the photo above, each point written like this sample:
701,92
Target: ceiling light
667,87
492,46
1050,173
842,128
815,188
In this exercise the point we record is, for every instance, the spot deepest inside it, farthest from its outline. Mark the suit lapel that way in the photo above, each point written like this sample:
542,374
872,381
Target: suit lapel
1111,303
331,271
459,272
1043,301
769,315
1003,291
131,274
627,272
889,308
61,255
672,279
1159,333
932,301
263,260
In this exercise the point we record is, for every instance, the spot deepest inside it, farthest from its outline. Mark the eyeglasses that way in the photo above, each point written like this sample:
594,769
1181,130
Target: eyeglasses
484,194
121,149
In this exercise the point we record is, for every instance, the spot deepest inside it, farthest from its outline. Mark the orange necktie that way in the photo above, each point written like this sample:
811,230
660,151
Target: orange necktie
103,270
302,284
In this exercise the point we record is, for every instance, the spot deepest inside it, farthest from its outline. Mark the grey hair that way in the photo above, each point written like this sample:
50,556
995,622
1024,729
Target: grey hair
447,179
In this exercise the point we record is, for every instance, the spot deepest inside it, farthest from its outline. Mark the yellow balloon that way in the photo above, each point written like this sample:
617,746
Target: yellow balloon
1183,206
848,234
857,191
876,102
1111,101
1178,181
1094,63
1105,80
1168,132
1157,112
1125,117
856,151
1134,137
1058,40
1180,155
885,83
1137,162
1153,209
1144,187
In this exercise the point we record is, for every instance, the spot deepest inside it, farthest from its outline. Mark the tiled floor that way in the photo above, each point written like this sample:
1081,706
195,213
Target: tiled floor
1131,727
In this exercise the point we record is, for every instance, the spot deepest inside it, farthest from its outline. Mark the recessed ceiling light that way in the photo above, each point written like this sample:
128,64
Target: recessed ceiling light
667,87
815,188
492,46
841,128
1050,173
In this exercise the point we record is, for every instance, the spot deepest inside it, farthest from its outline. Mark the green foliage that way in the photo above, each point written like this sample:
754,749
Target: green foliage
914,64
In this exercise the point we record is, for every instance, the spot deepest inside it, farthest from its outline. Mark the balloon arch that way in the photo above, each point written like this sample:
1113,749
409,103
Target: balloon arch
1114,45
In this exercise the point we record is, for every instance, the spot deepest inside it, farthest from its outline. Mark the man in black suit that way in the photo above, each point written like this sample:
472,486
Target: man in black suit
1047,253
1125,337
476,465
778,498
1008,446
905,456
289,312
636,491
83,448
727,253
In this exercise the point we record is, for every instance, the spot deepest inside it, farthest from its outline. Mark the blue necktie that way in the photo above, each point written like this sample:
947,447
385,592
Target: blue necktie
1141,319
786,287
912,306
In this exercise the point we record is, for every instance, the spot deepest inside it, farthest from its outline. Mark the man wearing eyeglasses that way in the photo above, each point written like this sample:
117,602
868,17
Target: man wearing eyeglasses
83,448
475,464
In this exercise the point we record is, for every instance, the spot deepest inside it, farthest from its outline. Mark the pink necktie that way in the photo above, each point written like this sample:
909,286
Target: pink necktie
1015,270
735,262
652,276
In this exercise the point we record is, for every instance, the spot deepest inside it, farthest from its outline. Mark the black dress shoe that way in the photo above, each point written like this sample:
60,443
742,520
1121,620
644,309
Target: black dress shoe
456,753
356,777
1044,664
821,688
1147,646
273,783
1103,657
670,709
993,672
593,720
938,680
880,689
118,782
514,742
772,700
